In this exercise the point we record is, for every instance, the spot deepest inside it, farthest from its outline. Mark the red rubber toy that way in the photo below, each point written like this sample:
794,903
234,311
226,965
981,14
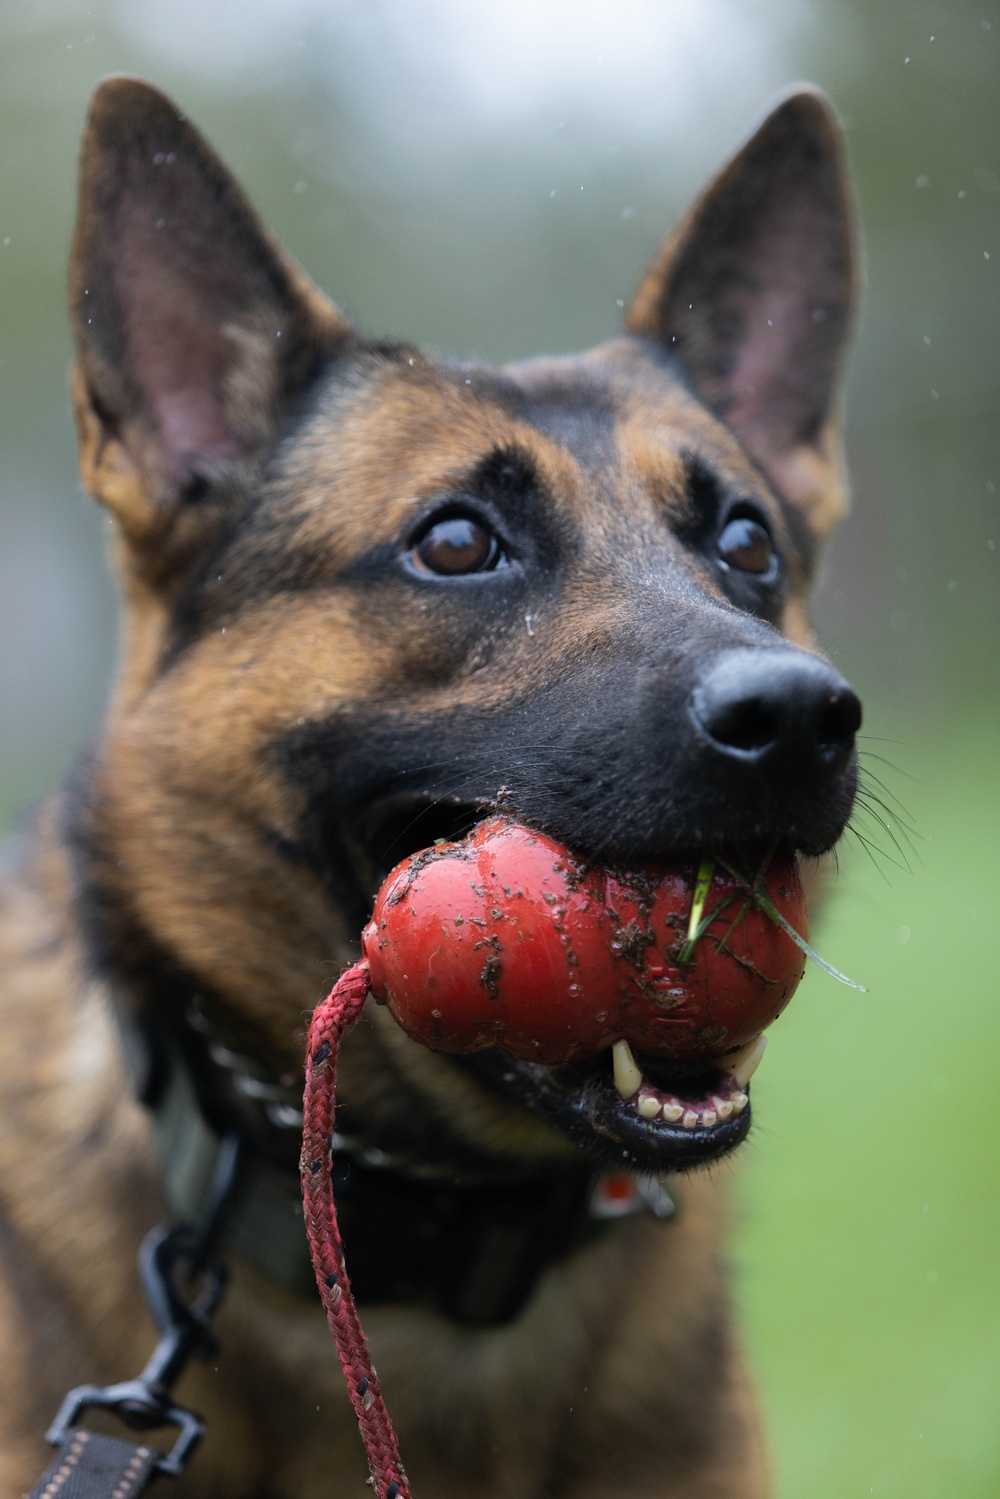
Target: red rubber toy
506,939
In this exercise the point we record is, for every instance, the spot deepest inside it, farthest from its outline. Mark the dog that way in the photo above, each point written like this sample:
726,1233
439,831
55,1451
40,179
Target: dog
371,597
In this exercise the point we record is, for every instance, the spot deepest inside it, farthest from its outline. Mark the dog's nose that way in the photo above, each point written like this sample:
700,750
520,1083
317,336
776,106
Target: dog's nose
780,709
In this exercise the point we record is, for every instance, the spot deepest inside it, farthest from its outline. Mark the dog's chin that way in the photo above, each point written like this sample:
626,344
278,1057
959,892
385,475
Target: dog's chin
707,1113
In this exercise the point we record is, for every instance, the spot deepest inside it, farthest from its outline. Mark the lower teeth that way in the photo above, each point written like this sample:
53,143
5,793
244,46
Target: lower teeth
650,1105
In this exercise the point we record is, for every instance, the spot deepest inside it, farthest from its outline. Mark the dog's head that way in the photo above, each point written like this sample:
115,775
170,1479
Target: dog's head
372,594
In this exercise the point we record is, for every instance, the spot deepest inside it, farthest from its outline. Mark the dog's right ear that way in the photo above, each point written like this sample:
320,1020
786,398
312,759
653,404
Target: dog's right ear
195,334
753,296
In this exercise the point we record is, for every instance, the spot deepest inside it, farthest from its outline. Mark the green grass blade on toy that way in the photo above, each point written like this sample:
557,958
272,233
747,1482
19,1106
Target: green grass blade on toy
761,898
702,886
698,922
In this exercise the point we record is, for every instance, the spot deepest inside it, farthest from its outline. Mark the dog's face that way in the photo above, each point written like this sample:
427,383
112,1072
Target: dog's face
373,595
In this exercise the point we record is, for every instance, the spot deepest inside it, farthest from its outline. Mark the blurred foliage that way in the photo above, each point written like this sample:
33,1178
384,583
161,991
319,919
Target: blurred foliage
497,192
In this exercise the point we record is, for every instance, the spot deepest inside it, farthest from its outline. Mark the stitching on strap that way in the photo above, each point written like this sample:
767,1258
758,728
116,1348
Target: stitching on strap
67,1465
131,1473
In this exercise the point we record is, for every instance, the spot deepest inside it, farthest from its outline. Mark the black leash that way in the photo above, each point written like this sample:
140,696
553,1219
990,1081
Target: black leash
183,1278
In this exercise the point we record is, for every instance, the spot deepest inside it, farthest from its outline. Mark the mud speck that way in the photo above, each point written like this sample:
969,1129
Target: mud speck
711,1035
643,889
630,943
489,978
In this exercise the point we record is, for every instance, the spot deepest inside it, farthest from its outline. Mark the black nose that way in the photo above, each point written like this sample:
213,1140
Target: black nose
780,709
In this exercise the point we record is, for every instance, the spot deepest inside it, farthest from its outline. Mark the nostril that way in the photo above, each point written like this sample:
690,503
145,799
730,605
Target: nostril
745,724
783,709
839,721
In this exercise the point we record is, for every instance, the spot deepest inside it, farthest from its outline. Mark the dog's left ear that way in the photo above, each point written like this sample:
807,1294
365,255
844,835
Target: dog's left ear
196,335
754,293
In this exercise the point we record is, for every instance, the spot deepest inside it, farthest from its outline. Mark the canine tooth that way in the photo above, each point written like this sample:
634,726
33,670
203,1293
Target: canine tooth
672,1111
649,1106
723,1106
708,1117
740,1101
690,1119
628,1078
742,1064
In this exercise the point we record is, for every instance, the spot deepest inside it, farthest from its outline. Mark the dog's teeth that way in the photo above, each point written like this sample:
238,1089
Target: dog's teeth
672,1111
723,1106
649,1106
689,1119
742,1064
708,1117
740,1101
628,1077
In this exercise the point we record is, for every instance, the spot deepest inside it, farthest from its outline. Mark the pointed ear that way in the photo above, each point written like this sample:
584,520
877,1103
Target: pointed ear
194,333
755,292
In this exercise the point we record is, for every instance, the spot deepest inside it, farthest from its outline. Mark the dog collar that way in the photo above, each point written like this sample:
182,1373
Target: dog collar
468,1238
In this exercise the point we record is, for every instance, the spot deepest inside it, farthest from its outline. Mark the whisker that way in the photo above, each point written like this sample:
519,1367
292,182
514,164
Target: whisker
904,854
877,848
869,849
868,777
875,803
871,755
873,799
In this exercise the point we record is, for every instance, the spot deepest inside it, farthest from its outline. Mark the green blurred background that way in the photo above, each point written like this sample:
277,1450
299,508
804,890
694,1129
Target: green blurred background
489,179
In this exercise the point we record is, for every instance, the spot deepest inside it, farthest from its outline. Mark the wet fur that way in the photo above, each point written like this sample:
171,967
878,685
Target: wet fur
282,673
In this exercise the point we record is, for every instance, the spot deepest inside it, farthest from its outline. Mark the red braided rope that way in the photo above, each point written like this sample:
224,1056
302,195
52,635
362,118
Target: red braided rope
331,1020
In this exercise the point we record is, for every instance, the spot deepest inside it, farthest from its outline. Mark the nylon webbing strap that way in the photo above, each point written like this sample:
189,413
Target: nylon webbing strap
91,1466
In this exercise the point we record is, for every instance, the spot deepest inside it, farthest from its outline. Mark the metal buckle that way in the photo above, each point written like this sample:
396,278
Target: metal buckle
131,1400
166,1257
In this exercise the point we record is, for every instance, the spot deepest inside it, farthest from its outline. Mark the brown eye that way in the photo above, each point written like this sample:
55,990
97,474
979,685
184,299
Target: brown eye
458,545
744,544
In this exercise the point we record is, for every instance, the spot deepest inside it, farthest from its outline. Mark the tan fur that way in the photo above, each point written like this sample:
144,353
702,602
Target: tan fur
622,1376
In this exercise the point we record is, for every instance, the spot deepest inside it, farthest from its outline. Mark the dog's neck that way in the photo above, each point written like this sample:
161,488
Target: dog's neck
470,1237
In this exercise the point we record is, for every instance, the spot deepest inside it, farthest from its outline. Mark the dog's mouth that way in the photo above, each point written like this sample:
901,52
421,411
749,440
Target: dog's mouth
628,1110
669,1121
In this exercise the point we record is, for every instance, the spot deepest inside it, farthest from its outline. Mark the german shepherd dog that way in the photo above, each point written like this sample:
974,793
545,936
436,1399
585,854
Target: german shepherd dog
372,596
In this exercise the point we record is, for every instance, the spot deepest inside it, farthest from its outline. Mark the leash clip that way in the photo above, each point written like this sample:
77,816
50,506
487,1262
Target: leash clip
167,1256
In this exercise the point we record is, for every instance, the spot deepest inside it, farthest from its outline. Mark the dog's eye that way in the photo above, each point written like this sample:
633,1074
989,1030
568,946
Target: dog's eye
458,545
745,545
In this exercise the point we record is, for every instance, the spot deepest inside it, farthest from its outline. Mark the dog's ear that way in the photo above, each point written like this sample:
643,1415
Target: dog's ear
195,334
754,293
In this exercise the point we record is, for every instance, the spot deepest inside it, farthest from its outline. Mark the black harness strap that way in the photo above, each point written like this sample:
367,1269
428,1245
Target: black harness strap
92,1466
183,1279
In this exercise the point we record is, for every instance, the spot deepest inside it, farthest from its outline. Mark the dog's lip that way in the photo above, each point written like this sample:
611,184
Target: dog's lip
582,1102
398,824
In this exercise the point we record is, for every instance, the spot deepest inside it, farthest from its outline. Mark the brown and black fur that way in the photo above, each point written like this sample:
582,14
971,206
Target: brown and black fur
294,695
